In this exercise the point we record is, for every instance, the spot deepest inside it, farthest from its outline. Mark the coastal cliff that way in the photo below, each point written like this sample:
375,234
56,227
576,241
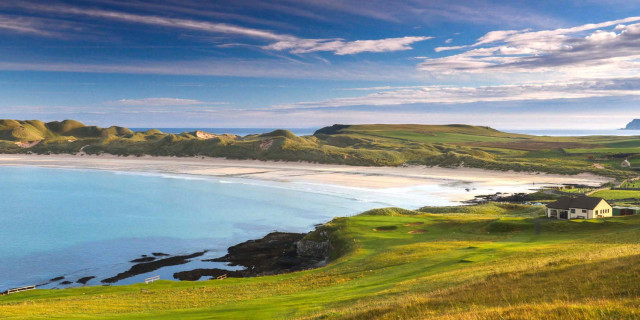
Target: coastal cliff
633,125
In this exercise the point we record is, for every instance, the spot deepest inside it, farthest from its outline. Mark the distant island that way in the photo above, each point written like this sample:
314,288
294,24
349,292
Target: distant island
633,125
451,146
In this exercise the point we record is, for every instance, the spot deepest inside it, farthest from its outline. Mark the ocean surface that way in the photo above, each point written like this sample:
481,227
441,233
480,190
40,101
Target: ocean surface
79,223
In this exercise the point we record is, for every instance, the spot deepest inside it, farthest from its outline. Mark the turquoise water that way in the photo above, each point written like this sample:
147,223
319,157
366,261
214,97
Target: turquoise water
77,223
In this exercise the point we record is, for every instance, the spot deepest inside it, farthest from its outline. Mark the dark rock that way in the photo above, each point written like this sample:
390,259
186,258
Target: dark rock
313,249
143,259
145,267
196,274
159,254
84,280
277,252
66,282
57,279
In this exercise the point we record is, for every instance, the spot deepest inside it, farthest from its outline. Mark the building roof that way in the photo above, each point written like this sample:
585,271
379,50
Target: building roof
583,202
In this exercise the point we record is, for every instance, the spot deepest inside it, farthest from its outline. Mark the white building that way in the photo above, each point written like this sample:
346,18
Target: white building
579,208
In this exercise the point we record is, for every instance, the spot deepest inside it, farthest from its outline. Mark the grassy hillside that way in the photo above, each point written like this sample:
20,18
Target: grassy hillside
371,145
480,262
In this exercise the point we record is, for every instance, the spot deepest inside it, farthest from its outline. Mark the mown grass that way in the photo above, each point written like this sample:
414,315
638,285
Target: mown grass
631,184
478,262
617,194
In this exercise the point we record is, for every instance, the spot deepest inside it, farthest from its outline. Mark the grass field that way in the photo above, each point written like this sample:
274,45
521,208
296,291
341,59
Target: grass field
617,194
479,262
631,184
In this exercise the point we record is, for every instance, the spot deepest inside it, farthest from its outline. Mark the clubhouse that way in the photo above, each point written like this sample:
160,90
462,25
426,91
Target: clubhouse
582,207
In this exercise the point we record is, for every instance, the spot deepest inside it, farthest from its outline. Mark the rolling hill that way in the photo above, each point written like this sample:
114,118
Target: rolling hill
371,145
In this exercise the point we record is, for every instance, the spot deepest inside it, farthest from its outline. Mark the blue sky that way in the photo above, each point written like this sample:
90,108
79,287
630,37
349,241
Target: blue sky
310,63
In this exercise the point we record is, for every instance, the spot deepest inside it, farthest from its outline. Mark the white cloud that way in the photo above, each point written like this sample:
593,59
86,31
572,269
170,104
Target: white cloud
448,40
341,47
585,50
158,102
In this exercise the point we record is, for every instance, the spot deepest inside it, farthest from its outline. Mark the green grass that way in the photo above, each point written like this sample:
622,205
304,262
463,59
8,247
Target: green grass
631,184
605,151
617,194
479,262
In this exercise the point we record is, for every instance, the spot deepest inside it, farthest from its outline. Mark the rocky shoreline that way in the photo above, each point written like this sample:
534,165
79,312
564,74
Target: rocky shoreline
275,253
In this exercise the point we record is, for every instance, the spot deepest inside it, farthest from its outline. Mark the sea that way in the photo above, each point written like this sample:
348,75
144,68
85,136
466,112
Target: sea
76,223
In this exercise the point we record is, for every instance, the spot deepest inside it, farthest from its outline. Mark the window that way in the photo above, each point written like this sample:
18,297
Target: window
573,210
584,211
596,211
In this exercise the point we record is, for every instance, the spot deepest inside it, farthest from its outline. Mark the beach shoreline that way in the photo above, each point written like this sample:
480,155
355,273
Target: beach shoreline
374,178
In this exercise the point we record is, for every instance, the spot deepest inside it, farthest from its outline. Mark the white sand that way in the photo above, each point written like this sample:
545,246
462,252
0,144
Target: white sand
341,175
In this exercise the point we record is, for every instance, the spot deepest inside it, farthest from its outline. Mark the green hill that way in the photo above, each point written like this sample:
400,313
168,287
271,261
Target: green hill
32,130
368,145
479,262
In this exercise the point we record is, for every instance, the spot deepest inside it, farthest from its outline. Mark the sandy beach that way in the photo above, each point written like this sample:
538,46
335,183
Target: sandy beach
340,175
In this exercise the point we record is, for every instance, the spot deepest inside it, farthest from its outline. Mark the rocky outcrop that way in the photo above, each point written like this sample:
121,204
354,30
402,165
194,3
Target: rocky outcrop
633,125
84,280
145,267
315,250
277,252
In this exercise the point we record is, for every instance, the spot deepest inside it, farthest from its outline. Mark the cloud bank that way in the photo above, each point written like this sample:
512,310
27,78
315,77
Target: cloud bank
589,49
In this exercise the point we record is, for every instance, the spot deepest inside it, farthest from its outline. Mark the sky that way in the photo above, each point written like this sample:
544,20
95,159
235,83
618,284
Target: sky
570,64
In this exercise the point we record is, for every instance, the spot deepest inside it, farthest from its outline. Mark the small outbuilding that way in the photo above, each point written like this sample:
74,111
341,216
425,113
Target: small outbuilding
625,211
582,207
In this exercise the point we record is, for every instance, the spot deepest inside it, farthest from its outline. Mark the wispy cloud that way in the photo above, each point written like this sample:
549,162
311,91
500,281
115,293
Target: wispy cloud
160,21
25,25
341,47
387,96
468,11
280,42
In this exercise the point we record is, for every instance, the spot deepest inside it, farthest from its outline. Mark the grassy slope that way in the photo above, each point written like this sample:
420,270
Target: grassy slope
618,194
483,263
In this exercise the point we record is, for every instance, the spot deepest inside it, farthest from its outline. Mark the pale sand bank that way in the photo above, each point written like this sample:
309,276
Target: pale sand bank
340,175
